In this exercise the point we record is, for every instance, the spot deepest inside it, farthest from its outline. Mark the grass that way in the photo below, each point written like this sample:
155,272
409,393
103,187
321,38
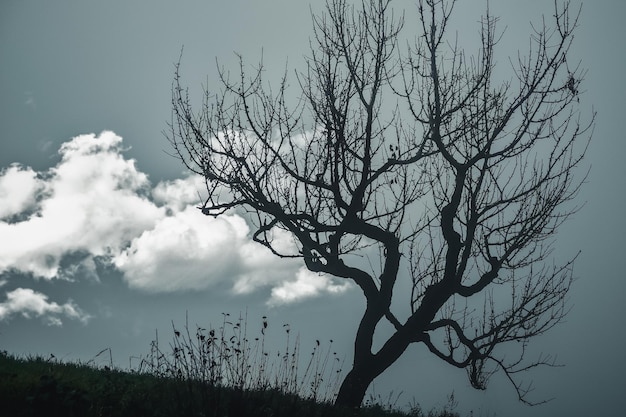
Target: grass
203,372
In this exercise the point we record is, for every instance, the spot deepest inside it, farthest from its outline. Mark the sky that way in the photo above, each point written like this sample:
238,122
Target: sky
101,245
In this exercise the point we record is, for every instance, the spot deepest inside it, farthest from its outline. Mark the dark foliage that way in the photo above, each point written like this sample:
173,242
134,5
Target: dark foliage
46,387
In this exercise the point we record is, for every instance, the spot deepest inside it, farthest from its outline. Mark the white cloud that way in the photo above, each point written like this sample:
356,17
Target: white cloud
180,193
96,204
18,188
187,251
306,285
190,251
29,303
261,268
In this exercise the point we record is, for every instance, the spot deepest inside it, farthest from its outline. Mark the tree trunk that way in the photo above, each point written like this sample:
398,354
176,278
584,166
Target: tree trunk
367,367
353,387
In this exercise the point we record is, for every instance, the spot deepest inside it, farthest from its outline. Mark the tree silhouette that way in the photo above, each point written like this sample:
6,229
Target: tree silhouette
455,177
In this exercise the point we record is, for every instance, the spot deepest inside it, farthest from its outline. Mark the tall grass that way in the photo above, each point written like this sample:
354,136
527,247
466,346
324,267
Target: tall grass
221,371
227,356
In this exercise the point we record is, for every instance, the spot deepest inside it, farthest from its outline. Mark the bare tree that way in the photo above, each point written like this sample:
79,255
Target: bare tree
456,176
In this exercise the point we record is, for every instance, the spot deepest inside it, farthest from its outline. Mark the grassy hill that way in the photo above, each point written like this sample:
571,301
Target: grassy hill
44,387
204,372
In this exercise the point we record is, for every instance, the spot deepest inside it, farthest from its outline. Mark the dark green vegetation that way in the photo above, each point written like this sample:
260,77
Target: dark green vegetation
42,387
214,372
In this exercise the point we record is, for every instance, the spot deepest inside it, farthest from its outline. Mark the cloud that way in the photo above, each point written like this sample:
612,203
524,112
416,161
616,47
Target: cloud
180,193
186,251
96,207
306,285
18,189
93,201
189,251
29,303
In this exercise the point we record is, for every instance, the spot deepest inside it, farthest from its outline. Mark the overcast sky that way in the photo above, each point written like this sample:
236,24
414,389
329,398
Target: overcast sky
100,243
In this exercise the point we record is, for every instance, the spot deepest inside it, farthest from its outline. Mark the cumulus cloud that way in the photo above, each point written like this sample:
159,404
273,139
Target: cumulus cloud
186,251
18,189
96,205
93,201
189,251
180,193
306,285
28,303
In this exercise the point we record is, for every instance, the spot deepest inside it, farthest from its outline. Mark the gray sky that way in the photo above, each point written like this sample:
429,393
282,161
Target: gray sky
94,268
